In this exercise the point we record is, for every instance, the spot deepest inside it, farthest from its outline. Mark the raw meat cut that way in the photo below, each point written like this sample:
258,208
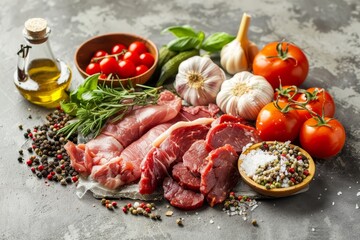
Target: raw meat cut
190,113
236,134
185,178
180,197
195,156
219,174
116,136
226,118
178,139
125,169
138,121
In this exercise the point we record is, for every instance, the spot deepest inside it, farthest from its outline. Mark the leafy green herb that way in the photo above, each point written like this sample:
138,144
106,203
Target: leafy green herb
94,105
216,41
188,38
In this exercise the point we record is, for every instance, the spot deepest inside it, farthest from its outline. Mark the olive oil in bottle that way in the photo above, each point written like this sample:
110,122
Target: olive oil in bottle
40,78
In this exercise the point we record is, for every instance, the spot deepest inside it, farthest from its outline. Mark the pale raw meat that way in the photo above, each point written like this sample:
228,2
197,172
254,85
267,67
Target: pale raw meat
138,121
180,197
125,169
190,113
115,137
219,174
157,163
195,156
226,118
236,134
185,178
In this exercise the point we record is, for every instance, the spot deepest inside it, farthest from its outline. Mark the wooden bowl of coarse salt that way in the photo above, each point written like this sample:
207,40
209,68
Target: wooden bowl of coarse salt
276,169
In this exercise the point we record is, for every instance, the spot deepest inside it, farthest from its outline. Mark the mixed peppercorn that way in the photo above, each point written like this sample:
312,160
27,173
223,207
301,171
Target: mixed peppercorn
47,157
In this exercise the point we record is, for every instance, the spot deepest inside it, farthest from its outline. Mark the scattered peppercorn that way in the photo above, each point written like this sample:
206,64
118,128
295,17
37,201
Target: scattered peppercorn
254,223
21,127
180,222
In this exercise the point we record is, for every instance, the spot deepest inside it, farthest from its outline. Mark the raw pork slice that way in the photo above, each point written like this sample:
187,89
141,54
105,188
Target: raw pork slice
190,113
185,178
180,197
126,168
226,118
138,121
168,149
195,156
236,134
115,137
219,174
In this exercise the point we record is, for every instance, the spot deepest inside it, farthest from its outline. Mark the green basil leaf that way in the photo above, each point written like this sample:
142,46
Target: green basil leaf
181,31
183,44
201,37
89,84
216,41
70,108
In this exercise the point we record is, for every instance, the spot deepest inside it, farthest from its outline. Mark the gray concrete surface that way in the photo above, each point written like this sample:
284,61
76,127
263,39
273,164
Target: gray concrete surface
327,30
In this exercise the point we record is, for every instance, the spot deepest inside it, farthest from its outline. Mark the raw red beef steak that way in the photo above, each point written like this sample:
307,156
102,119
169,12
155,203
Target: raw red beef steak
185,178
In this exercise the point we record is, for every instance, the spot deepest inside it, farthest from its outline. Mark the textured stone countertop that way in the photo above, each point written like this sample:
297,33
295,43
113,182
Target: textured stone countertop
328,30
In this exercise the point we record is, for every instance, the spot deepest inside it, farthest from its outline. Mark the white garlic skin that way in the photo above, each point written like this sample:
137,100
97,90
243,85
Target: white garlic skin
213,76
248,104
233,58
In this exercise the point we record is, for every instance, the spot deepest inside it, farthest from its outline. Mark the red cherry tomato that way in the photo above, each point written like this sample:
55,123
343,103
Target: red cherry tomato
118,48
319,100
281,60
141,69
147,59
126,69
109,65
273,124
100,53
93,68
322,140
133,57
138,47
103,76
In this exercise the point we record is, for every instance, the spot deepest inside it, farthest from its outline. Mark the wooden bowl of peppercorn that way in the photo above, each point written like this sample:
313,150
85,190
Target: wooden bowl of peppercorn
276,172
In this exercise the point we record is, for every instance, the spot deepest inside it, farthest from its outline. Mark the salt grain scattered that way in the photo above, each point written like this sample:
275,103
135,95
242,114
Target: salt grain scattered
333,203
358,194
218,227
339,193
313,229
211,221
356,206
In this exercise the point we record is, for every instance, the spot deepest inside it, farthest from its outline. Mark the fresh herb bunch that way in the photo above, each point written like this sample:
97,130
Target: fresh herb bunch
188,38
93,105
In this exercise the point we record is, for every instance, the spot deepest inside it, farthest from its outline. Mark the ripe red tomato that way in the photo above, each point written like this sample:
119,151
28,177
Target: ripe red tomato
283,93
319,100
281,60
100,53
133,57
322,141
118,48
93,68
126,69
273,124
147,59
138,47
141,69
103,76
109,65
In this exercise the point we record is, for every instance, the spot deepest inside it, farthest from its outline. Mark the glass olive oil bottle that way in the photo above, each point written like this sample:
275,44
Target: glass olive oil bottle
40,78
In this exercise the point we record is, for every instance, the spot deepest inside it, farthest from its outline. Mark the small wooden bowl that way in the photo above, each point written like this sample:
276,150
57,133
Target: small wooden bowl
276,192
105,42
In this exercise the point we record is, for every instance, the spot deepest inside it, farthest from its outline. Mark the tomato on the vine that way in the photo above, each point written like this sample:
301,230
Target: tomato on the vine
322,138
281,61
100,53
141,69
133,57
138,47
319,101
118,48
126,69
283,93
146,59
92,68
274,124
109,65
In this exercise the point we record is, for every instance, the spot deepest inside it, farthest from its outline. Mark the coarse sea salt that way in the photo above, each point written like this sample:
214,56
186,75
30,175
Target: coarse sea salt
254,159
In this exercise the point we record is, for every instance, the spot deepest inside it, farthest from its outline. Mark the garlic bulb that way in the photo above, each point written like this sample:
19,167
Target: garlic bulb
239,54
199,80
244,95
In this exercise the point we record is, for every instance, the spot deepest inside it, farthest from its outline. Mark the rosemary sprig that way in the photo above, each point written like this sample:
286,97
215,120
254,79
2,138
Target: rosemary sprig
94,105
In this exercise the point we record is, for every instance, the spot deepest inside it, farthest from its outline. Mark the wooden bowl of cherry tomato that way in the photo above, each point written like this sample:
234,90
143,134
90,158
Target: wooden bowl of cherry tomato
118,57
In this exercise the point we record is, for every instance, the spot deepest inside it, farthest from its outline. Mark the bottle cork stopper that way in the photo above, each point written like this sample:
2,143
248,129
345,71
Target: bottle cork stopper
36,27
